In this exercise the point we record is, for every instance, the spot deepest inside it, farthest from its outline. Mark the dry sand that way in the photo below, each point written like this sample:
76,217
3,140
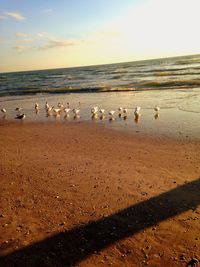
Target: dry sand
80,194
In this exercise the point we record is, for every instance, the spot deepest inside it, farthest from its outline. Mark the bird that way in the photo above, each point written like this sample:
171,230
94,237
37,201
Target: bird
57,110
120,109
18,109
94,110
67,110
60,105
46,105
3,110
111,113
36,106
49,109
76,111
94,116
102,116
137,110
21,116
102,111
157,109
125,110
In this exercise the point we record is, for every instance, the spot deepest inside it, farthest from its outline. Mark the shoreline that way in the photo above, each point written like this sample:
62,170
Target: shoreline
178,115
123,131
58,178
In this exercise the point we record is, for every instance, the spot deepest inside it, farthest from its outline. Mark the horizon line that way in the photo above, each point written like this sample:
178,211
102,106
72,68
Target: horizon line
93,65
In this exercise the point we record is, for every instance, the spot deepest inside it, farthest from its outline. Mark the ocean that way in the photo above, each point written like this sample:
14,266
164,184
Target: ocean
171,83
158,74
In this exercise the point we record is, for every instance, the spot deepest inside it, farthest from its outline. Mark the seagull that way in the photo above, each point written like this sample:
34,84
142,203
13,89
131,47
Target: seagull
94,110
102,111
36,108
57,110
46,105
49,109
21,116
18,109
157,109
60,105
137,111
94,116
125,110
120,109
67,110
3,110
111,113
76,111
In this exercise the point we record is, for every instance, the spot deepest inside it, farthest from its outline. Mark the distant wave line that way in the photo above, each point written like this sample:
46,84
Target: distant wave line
154,86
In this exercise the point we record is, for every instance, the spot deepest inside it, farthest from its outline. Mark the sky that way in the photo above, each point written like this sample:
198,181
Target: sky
66,33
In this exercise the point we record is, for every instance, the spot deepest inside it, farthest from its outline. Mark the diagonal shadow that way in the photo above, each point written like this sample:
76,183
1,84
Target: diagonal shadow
70,247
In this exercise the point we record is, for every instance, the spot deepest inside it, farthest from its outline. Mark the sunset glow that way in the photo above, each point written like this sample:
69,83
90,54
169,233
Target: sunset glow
75,33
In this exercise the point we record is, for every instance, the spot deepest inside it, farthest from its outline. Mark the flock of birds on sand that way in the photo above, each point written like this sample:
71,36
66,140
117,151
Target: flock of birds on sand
95,111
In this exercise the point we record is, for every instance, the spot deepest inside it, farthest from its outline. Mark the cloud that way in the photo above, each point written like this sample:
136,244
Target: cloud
42,34
14,15
56,44
21,34
21,48
24,41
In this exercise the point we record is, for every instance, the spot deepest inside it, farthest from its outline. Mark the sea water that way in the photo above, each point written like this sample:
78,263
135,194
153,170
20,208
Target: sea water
172,83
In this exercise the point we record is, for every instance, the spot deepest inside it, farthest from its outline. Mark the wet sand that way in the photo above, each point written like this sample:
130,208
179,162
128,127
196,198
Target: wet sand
81,194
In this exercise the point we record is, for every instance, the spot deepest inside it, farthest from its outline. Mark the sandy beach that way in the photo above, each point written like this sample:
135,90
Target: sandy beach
80,194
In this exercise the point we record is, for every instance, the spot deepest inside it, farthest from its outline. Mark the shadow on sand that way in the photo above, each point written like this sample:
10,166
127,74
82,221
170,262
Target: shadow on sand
70,247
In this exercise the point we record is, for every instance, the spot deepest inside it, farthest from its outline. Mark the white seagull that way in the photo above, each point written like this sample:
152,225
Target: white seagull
102,111
137,110
46,105
76,111
60,105
157,109
67,110
120,109
57,110
49,109
94,110
18,109
125,110
111,113
36,106
3,110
